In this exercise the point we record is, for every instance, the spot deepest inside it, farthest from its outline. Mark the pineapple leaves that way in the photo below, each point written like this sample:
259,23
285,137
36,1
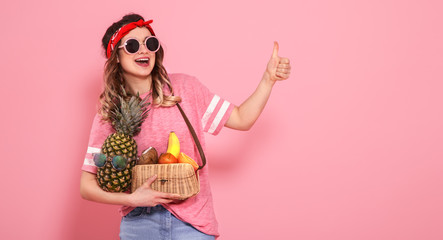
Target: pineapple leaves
128,114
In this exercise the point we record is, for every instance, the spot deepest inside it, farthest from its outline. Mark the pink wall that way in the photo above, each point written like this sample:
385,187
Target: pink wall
350,147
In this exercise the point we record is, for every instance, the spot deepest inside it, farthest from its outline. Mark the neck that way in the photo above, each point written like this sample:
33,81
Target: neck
137,85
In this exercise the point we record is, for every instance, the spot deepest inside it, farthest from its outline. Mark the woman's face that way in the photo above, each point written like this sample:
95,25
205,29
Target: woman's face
140,64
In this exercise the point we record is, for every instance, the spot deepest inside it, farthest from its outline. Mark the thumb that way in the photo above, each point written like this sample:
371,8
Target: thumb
149,181
275,51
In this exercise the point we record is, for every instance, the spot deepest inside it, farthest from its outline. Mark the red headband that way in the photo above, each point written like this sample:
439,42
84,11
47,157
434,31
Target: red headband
121,32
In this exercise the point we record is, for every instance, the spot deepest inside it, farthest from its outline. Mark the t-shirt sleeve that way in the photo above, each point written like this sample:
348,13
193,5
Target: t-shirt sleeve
214,111
99,132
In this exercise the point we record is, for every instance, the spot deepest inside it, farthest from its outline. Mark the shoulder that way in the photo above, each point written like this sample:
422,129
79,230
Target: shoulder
100,125
181,80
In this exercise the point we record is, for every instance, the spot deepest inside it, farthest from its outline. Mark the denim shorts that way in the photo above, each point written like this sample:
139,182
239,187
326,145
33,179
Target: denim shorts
157,223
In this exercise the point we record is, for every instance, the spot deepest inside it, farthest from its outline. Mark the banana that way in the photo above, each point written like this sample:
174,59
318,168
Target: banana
173,144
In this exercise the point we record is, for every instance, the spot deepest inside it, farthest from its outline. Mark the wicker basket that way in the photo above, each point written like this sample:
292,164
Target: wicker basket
177,178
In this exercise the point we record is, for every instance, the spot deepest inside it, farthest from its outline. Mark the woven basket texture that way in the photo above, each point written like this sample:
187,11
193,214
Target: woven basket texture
178,178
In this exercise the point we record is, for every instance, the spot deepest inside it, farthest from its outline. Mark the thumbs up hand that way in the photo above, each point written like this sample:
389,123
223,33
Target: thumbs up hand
278,68
245,115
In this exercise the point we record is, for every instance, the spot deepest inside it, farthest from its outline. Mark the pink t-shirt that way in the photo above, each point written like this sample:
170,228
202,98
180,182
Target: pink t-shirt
207,113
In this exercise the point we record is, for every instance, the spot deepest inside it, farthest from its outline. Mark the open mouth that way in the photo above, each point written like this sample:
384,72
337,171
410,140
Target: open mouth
142,61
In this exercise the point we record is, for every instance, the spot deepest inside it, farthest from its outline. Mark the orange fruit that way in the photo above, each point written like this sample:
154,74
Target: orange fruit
183,158
167,158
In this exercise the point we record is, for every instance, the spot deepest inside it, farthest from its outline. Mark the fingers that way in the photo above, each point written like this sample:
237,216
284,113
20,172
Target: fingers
283,69
162,197
282,76
284,65
150,181
275,51
158,194
284,60
165,200
168,196
160,201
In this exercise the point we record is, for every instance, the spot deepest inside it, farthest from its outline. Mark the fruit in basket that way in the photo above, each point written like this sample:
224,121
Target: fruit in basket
173,144
183,158
120,148
167,158
149,156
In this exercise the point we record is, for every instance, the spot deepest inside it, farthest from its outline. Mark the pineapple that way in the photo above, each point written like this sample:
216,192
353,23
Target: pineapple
119,151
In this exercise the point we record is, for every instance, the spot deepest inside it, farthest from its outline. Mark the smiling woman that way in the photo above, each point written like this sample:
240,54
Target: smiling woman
134,69
122,68
137,66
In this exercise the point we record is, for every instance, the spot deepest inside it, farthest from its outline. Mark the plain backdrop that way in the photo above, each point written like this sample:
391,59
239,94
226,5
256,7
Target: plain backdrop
350,147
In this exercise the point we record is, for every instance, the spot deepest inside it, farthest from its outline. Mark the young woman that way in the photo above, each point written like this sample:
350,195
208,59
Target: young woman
135,62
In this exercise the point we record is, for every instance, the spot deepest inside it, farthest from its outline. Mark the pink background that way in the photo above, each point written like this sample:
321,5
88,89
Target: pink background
350,147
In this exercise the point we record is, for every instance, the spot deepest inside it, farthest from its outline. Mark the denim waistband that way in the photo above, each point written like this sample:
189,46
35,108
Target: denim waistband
157,223
158,208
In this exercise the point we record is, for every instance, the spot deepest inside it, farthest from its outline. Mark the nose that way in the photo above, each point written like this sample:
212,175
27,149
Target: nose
143,48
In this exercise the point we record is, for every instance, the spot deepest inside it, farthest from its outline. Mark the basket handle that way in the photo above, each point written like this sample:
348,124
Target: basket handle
194,136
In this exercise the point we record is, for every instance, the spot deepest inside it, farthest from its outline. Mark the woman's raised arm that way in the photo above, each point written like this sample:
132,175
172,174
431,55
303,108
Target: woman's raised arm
244,116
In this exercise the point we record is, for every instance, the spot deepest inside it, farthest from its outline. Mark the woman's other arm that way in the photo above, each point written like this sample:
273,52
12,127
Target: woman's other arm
143,196
244,116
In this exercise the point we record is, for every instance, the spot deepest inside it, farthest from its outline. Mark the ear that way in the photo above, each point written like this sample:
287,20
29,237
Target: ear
118,59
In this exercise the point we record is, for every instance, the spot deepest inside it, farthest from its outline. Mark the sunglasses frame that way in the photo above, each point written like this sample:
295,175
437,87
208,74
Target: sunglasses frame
139,44
112,163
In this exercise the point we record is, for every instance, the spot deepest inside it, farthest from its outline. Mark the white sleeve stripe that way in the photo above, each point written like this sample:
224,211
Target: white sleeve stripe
219,117
210,110
93,150
89,162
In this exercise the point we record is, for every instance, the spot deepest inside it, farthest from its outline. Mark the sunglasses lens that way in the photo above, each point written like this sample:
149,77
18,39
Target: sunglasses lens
99,159
119,163
132,46
152,44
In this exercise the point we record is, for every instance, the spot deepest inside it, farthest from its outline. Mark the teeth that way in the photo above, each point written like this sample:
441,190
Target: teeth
142,60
